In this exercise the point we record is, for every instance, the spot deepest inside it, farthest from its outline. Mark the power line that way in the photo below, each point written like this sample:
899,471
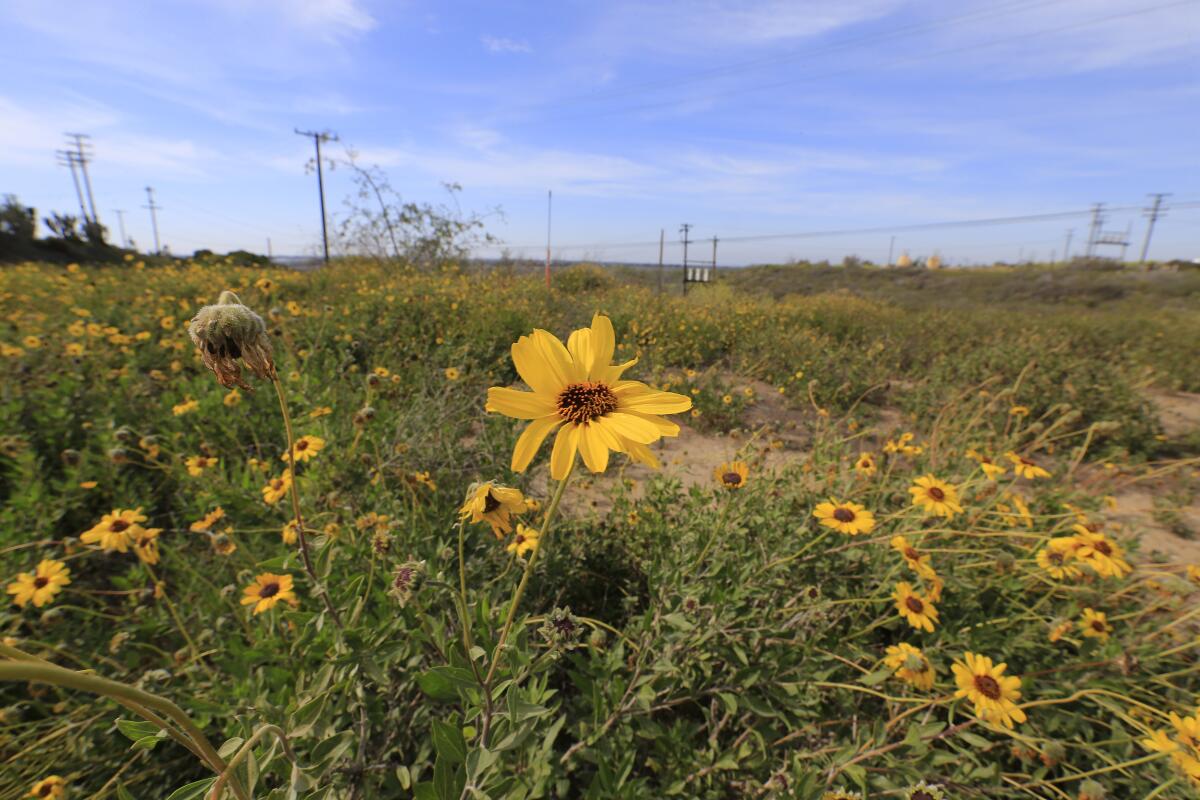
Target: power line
1154,212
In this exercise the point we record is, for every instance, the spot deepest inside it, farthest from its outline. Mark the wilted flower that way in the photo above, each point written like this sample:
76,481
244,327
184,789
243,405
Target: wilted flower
227,332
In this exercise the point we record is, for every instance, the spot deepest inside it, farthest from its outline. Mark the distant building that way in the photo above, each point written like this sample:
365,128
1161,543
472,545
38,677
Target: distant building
933,262
904,260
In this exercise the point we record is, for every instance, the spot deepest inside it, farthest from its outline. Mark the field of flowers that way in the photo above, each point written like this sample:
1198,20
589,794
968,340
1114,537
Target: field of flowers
372,533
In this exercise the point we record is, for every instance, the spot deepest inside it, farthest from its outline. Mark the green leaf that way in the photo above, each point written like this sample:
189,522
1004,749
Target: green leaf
877,677
136,729
193,790
425,791
448,742
123,793
442,683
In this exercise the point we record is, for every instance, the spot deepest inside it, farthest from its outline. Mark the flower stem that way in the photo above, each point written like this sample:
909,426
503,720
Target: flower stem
520,590
303,540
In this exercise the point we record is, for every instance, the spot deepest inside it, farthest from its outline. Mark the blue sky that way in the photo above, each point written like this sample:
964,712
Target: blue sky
742,118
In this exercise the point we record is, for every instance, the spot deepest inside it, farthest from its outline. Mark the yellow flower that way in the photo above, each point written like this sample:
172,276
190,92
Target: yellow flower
902,446
732,474
276,488
115,531
185,407
848,518
451,374
52,787
524,541
1019,411
197,464
916,560
289,532
306,447
578,392
88,484
1056,560
727,399
233,398
267,590
910,664
382,372
1094,624
40,586
32,342
1022,508
494,505
1096,551
145,544
865,465
1059,631
990,468
1193,573
320,411
915,608
935,496
994,694
73,349
208,520
1026,468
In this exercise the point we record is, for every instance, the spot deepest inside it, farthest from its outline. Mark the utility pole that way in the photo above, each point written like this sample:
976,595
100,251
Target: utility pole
82,153
549,209
153,217
662,239
318,137
891,247
270,255
1067,246
67,158
1125,241
684,229
120,212
714,257
1154,212
1094,230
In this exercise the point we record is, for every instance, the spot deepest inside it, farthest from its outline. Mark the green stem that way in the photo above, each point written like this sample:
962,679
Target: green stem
245,751
318,587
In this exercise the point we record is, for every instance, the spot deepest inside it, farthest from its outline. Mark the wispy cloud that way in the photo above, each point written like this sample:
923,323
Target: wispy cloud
500,44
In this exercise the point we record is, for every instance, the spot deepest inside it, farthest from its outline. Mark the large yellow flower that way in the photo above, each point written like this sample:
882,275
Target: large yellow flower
306,447
935,496
115,531
267,590
916,560
993,693
579,393
1056,559
732,474
848,518
865,464
40,587
494,505
145,544
1096,551
914,607
277,488
524,541
1026,468
910,664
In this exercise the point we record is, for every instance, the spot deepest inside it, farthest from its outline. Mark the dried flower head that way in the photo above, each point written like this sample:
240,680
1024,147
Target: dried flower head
561,629
405,580
228,331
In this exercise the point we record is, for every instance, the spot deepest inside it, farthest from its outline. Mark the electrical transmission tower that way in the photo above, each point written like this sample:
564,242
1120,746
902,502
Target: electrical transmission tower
1153,212
153,217
1094,228
318,137
82,154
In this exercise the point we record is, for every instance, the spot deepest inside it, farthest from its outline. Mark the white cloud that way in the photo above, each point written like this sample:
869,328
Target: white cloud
499,44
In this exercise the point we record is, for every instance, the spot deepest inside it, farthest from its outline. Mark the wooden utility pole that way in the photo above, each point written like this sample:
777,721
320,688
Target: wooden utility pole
1067,246
318,137
714,272
1154,212
153,217
662,238
684,229
67,158
82,148
120,212
549,209
891,247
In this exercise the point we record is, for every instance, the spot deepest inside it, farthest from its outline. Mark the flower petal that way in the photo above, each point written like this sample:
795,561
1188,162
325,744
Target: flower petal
631,426
656,402
594,447
517,404
557,359
530,440
563,455
603,342
579,345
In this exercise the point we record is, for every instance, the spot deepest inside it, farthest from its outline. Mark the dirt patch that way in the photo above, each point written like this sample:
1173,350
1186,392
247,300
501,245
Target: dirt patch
1137,513
1179,412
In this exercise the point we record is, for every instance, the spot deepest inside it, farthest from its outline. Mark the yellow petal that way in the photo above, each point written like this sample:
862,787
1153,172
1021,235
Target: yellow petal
518,404
556,358
664,426
533,369
640,453
656,402
563,455
530,440
604,341
579,345
630,426
612,374
594,448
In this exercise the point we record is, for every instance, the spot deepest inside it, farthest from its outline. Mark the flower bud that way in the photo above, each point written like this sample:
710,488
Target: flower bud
228,331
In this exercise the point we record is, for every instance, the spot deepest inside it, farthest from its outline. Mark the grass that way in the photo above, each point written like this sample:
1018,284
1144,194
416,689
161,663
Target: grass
693,641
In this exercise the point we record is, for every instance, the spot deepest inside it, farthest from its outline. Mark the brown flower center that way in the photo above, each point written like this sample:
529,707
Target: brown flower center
584,402
987,686
40,581
269,590
1102,547
302,444
936,493
843,514
45,790
1055,557
1097,625
914,604
911,554
731,479
118,525
490,503
920,794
